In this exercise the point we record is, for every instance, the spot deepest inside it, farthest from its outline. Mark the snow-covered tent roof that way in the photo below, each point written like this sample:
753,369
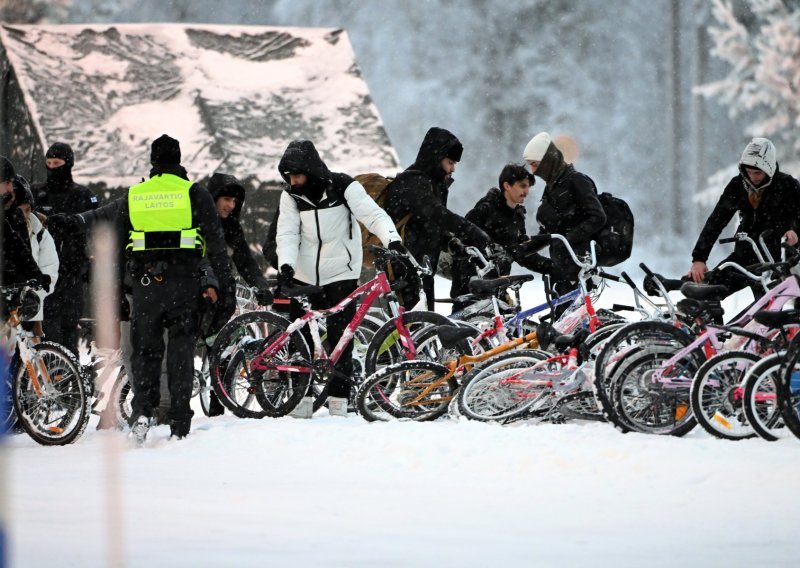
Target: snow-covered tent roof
234,96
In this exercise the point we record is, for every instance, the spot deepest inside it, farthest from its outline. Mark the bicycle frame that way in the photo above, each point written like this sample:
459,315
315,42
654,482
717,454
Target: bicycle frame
374,289
773,300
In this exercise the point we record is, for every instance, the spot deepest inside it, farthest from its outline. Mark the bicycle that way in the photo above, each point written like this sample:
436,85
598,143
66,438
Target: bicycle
267,372
51,395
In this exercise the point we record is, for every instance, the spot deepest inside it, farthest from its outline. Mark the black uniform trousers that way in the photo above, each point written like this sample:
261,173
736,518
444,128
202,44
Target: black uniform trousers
62,311
172,305
332,294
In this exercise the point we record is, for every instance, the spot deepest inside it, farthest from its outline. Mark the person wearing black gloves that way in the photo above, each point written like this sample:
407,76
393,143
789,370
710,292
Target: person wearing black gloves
569,207
422,191
318,242
60,194
766,199
168,223
18,264
501,215
229,195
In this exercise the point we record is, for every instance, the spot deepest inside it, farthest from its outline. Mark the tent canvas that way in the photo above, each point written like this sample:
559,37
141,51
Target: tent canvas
234,96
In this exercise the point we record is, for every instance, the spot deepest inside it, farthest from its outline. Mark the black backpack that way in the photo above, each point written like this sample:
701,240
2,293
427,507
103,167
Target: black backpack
615,239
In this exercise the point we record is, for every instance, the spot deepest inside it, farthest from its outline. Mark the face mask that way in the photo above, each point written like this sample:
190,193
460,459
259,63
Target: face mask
59,177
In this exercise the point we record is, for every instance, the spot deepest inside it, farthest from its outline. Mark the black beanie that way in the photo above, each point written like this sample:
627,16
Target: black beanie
7,172
165,151
61,151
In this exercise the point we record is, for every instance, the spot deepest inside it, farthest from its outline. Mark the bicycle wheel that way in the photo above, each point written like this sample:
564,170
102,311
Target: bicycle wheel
256,393
319,384
386,348
716,395
579,406
620,346
506,385
415,390
789,388
650,398
761,399
121,400
53,407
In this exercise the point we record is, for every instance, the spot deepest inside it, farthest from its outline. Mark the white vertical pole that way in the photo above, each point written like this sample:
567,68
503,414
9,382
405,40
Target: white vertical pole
106,309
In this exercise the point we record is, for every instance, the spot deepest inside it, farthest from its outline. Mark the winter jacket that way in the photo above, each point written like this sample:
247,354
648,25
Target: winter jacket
43,250
504,225
422,190
778,210
570,207
68,198
318,233
204,216
18,262
242,257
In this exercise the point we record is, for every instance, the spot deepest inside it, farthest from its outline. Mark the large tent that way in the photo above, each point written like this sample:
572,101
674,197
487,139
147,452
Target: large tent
234,96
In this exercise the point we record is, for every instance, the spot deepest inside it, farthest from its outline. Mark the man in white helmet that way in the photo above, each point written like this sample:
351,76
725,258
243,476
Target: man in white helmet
766,200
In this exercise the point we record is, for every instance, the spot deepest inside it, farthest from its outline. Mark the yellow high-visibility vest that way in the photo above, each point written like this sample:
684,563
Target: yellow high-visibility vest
161,216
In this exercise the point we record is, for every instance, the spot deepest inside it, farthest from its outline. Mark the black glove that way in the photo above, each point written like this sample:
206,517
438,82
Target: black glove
479,238
64,222
264,296
44,281
286,275
225,307
397,246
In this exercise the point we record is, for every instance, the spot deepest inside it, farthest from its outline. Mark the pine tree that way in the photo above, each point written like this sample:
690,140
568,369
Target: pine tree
762,87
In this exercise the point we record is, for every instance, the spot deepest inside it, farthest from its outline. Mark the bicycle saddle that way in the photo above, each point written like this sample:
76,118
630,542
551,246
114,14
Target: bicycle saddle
496,284
704,291
774,320
450,335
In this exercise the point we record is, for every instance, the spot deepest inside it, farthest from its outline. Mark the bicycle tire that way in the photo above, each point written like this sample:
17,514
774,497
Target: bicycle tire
385,347
714,392
621,345
764,415
789,388
60,416
482,397
579,406
257,394
121,399
643,403
391,392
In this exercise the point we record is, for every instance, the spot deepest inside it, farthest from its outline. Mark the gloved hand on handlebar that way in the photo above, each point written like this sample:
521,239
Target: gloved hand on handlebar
286,275
264,296
397,246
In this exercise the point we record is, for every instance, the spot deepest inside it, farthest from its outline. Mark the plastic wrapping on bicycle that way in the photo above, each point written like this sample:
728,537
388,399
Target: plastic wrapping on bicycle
292,291
497,284
774,320
711,292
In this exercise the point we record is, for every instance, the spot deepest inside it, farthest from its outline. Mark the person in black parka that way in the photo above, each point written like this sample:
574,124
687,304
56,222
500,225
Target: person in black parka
501,215
422,190
18,264
766,199
229,196
60,194
569,207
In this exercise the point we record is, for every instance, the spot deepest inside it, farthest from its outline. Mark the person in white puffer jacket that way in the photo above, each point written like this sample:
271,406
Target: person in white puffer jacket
318,242
43,247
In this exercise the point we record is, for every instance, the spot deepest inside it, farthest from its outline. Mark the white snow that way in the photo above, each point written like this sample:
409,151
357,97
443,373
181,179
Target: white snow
336,492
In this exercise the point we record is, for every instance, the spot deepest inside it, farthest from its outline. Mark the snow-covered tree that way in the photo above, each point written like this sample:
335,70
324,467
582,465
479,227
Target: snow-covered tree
762,87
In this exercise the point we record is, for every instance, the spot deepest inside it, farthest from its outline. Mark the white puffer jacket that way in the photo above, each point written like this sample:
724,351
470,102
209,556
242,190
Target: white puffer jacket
322,241
43,250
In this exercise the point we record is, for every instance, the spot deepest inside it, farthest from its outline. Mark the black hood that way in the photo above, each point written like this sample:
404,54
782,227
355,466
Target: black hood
437,145
301,157
228,186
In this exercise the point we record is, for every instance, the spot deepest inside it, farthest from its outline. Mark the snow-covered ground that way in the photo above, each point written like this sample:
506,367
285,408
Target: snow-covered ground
343,492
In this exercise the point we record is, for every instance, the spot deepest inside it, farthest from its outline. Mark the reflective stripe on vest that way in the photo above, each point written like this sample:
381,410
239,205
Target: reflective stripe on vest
161,215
